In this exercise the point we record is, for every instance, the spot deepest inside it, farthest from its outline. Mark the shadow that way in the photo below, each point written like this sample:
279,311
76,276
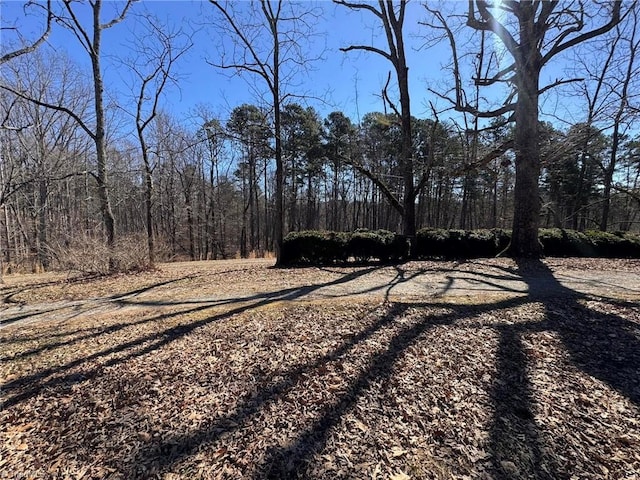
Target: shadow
124,300
173,449
491,286
518,447
399,278
4,321
31,385
514,438
24,316
148,288
8,296
291,461
603,345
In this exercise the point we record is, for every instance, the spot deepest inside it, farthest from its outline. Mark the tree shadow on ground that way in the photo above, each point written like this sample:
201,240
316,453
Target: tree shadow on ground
605,346
291,461
27,386
602,345
9,292
119,299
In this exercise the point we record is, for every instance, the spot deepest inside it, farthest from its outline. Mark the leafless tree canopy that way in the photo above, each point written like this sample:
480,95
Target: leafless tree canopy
531,123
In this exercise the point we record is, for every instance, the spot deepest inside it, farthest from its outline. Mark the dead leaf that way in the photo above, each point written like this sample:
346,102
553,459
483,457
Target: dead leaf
397,452
400,476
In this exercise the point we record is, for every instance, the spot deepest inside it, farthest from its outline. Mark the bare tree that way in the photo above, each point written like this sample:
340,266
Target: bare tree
624,89
157,49
269,45
90,38
39,145
392,15
532,33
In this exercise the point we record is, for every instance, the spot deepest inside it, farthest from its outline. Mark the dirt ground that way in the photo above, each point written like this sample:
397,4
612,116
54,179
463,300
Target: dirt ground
54,296
488,369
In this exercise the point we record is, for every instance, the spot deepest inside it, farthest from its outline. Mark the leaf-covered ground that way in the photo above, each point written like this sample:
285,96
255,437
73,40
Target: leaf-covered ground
241,371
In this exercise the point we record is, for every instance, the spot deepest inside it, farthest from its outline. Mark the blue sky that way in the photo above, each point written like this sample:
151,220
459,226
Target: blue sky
336,77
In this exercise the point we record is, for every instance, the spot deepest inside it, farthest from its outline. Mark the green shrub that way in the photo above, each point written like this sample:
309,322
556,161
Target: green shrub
605,244
366,245
326,248
431,243
399,249
382,245
450,244
313,248
486,243
631,245
614,245
503,238
558,242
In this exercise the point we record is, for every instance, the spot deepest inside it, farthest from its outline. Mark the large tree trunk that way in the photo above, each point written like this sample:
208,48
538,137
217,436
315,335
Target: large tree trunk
409,200
526,215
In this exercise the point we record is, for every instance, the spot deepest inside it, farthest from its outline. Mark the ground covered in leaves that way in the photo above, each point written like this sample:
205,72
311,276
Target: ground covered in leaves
488,369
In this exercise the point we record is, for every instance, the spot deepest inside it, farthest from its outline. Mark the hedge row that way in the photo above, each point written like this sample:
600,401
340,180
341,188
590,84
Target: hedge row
323,248
363,246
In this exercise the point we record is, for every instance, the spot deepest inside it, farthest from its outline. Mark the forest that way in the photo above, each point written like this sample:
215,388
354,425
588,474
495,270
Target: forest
92,184
457,185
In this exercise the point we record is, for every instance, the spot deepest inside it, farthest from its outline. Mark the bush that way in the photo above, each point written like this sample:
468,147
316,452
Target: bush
558,242
604,244
486,243
324,248
614,245
313,247
450,244
90,255
631,245
368,245
431,242
365,245
399,249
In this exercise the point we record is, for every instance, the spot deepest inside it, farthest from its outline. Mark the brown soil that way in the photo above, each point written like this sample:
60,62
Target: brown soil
480,369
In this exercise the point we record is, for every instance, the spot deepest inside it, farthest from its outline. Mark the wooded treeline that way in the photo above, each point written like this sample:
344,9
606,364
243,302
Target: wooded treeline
207,189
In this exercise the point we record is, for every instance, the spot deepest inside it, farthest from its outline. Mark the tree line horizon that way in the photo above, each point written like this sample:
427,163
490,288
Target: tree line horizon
234,186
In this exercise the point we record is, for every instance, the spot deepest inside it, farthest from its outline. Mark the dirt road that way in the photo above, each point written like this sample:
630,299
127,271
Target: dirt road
56,297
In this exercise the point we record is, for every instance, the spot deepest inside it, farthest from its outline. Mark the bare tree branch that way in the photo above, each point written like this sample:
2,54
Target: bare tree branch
120,17
58,108
559,46
30,48
558,82
368,49
359,6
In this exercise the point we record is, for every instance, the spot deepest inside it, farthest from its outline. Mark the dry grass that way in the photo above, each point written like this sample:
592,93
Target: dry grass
544,385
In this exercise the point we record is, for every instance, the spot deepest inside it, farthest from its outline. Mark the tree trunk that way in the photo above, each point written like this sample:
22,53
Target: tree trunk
100,135
526,215
43,253
409,200
279,213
